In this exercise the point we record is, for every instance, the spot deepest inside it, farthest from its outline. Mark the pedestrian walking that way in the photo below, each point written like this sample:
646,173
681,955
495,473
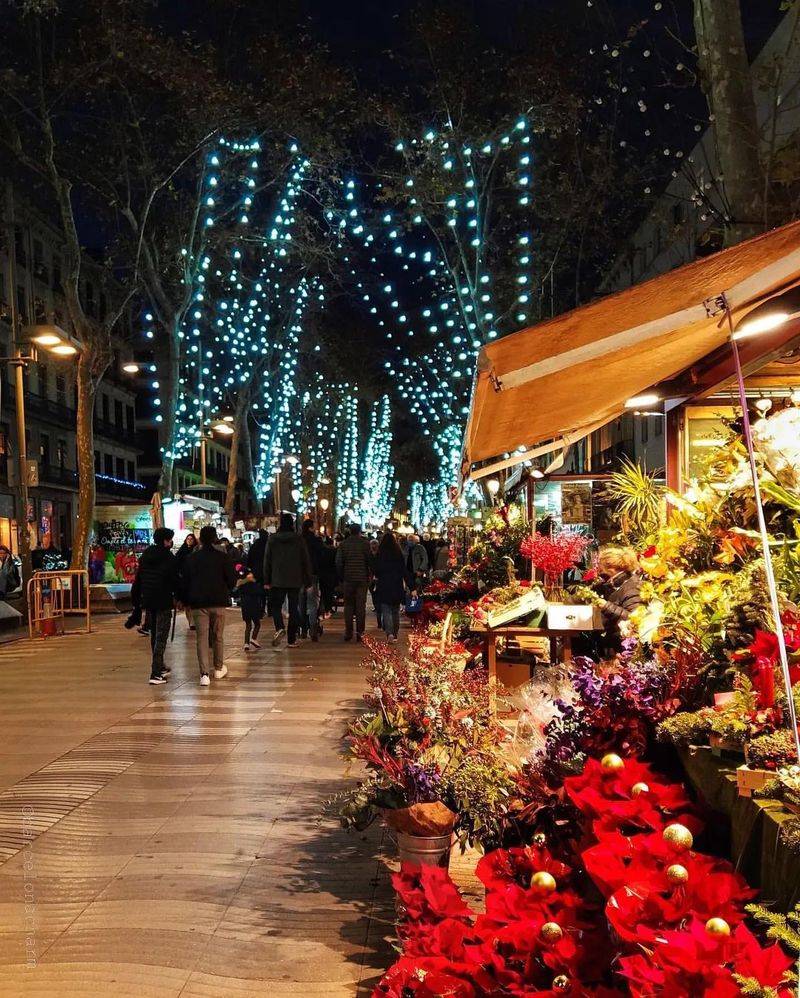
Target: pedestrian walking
208,580
327,577
310,595
188,547
287,570
441,564
392,578
251,603
352,563
417,561
155,589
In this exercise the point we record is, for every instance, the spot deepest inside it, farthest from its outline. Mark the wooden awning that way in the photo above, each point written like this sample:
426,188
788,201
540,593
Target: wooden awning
553,383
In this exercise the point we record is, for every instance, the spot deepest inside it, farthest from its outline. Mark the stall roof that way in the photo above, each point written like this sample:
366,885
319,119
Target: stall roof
551,384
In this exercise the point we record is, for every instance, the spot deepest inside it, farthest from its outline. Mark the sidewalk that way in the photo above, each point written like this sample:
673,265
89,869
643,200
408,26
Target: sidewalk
164,841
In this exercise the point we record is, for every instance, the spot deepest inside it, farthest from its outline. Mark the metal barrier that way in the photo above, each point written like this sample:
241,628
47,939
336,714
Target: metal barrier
53,596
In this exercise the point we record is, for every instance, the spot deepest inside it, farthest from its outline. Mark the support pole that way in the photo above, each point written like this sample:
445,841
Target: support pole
762,529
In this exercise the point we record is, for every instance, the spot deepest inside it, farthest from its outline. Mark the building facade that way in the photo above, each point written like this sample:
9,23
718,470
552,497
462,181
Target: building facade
50,386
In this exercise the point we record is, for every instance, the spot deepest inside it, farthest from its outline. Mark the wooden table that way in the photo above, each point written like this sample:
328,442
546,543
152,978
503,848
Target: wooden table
491,634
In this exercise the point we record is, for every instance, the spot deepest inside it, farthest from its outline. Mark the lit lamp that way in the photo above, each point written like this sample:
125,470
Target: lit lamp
296,493
324,504
769,315
493,487
52,338
642,401
130,367
224,427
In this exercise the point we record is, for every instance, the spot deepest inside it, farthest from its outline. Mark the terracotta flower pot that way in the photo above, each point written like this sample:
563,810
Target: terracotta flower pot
421,819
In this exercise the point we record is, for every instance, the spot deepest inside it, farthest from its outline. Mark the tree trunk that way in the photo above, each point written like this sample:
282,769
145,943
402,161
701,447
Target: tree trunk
169,410
233,470
729,90
247,465
85,443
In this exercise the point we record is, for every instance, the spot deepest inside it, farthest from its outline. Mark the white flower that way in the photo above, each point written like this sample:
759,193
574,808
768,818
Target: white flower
378,692
467,722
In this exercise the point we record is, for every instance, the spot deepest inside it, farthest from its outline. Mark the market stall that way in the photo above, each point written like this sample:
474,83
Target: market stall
687,704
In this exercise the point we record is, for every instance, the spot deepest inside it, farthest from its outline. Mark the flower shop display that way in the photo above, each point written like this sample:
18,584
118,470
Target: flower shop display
553,555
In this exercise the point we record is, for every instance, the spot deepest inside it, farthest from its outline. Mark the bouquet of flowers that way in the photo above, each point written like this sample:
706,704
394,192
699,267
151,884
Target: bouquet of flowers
554,554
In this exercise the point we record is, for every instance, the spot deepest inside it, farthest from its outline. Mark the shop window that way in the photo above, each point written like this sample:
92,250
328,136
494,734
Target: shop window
121,467
118,413
109,464
131,471
19,247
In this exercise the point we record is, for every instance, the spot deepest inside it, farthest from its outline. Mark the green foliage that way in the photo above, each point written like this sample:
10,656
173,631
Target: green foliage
480,791
638,499
687,728
785,929
771,750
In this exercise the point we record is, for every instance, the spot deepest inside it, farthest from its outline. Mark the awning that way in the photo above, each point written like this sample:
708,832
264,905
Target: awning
546,386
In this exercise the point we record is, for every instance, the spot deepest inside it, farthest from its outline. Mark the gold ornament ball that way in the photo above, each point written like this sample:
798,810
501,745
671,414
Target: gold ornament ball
612,763
677,874
551,932
639,788
543,882
540,840
561,983
718,927
678,836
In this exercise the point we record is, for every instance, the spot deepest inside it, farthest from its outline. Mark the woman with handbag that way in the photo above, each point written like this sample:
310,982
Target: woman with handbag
391,580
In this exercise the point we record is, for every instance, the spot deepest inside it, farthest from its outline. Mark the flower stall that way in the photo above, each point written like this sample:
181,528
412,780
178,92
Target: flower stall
594,816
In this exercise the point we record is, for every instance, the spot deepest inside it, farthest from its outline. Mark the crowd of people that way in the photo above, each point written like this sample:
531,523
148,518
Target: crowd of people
299,574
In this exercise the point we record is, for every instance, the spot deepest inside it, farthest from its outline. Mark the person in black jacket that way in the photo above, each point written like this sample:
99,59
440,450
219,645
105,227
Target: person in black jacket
391,579
155,589
327,577
209,577
188,547
310,596
353,565
287,570
619,588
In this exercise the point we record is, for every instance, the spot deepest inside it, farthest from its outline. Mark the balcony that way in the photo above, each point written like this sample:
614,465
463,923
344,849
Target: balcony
56,474
106,485
41,408
114,431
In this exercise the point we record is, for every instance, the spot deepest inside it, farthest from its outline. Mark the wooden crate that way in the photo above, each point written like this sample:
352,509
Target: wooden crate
749,780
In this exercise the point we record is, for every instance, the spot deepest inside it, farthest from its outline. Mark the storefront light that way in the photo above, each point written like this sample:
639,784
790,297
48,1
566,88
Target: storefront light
769,315
648,398
64,350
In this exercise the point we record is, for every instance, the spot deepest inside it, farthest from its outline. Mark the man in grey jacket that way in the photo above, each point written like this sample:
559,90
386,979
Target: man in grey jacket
287,570
353,566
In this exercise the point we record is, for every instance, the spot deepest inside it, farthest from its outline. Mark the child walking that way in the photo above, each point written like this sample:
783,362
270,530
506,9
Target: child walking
251,601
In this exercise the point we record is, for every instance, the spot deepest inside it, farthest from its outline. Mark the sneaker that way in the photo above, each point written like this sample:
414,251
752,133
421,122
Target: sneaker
221,673
254,643
291,644
205,680
141,630
157,680
166,671
277,637
247,647
391,639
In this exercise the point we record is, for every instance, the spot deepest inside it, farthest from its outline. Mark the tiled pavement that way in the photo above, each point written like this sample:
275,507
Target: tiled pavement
165,841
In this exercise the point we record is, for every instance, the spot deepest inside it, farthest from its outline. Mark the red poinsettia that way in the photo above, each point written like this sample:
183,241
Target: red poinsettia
428,894
427,977
501,867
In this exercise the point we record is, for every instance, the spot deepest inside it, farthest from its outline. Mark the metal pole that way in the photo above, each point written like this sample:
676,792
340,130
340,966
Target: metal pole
762,529
23,540
203,459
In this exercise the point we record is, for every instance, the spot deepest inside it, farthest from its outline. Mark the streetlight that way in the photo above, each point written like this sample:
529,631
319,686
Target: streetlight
324,504
493,487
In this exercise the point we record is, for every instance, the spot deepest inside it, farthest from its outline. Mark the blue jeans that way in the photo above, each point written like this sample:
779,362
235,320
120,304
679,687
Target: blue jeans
390,618
309,607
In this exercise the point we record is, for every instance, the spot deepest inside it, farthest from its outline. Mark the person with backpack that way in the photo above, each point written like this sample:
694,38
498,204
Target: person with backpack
155,589
287,570
353,565
208,579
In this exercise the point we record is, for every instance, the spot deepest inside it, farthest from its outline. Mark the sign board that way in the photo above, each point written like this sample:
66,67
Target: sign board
31,473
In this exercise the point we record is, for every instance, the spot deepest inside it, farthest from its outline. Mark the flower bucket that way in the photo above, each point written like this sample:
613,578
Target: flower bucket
425,850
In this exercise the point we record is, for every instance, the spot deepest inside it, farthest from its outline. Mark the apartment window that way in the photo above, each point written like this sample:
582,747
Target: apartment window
39,268
121,467
131,471
61,389
106,416
44,383
108,463
44,448
61,453
97,465
56,272
118,414
131,419
22,305
19,247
